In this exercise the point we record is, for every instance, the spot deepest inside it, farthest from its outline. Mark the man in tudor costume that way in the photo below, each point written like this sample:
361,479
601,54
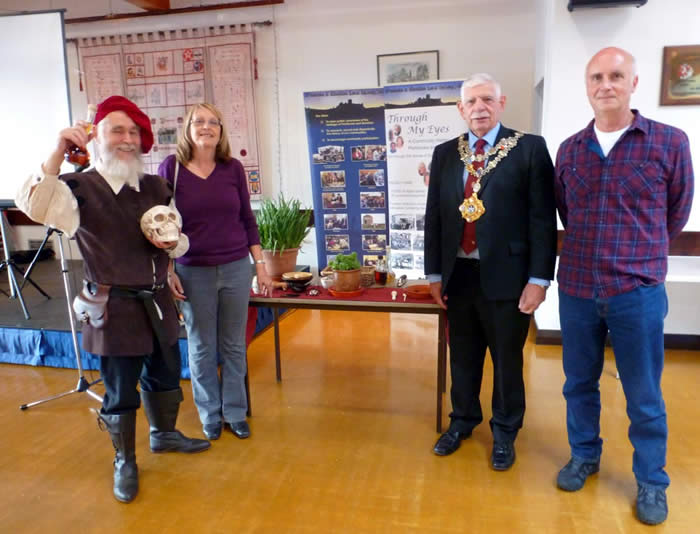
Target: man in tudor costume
137,343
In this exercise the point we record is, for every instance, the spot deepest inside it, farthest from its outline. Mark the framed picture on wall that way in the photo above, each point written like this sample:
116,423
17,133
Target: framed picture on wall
408,67
680,81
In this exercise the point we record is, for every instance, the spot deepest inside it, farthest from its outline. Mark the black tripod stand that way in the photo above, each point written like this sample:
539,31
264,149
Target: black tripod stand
83,385
37,256
9,264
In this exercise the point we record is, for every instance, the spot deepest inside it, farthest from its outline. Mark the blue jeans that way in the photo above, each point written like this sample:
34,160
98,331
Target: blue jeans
635,321
216,312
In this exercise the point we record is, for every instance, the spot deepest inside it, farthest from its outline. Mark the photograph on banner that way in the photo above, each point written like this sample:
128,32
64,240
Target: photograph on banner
335,221
417,118
332,179
370,260
372,178
335,201
347,160
337,243
373,221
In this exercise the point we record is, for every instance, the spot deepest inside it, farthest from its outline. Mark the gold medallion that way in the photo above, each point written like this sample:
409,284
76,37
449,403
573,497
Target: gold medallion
472,208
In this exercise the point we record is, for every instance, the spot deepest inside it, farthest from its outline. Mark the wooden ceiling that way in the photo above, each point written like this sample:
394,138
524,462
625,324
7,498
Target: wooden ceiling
151,5
162,7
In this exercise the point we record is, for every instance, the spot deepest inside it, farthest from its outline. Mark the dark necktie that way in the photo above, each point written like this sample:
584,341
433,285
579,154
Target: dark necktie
468,243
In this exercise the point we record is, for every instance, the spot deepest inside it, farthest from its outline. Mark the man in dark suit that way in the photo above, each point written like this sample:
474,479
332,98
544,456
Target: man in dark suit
490,248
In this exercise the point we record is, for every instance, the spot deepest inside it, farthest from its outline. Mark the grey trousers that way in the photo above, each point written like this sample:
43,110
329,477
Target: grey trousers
216,312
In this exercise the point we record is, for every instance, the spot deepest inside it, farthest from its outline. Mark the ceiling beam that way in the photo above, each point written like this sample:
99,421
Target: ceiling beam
230,5
151,5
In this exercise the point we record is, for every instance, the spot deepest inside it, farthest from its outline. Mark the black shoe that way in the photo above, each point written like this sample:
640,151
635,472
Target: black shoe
212,431
240,429
161,408
574,474
652,508
503,455
449,442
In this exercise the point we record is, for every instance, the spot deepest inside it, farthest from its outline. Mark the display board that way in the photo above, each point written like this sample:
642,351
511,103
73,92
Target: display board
370,153
166,72
34,95
348,172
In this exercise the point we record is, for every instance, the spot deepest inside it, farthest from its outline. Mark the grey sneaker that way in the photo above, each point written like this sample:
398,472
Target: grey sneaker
652,508
574,474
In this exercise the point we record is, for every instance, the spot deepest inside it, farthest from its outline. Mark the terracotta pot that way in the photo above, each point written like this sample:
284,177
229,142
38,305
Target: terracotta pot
276,264
347,280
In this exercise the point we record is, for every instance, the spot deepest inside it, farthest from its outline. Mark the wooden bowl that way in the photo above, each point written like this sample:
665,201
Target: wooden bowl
420,291
297,276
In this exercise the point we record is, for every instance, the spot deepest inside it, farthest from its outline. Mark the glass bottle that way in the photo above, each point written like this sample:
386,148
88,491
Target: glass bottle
390,275
380,271
79,156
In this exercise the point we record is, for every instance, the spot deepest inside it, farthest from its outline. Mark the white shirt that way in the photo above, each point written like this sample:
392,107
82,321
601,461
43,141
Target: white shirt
607,140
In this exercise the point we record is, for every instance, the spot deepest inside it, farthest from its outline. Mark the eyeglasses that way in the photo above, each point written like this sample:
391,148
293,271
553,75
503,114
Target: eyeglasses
212,123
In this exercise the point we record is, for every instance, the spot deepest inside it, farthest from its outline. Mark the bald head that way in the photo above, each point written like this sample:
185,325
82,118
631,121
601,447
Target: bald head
611,78
618,54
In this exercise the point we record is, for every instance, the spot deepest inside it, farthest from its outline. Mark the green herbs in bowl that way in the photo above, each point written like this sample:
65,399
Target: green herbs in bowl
343,262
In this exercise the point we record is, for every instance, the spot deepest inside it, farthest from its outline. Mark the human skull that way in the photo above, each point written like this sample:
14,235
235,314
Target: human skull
161,223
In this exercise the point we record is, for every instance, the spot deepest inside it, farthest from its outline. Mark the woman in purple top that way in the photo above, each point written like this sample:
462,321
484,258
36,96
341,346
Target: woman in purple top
213,279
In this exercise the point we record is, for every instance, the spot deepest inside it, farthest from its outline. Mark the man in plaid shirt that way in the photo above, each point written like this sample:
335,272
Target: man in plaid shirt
624,187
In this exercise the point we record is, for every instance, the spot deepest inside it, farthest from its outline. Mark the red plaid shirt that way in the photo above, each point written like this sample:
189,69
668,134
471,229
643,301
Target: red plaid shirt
620,212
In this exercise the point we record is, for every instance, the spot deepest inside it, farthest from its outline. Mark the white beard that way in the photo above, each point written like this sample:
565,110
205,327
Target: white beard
118,170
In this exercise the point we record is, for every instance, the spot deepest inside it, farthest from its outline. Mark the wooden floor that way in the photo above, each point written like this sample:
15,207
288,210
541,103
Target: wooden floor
343,444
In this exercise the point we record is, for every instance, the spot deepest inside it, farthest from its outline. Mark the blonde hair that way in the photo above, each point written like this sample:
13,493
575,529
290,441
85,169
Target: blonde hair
185,145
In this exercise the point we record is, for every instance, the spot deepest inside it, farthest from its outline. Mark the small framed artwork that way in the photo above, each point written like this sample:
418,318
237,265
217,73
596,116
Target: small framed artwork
408,67
680,81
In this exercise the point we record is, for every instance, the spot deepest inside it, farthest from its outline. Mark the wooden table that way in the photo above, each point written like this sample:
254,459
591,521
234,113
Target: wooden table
326,302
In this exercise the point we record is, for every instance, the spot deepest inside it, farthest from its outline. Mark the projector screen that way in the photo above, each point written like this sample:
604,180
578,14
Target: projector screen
34,95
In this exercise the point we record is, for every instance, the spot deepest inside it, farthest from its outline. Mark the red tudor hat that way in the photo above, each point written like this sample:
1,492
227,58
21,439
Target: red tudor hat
119,103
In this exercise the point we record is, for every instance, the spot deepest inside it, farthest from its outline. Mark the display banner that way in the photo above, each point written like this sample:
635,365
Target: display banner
348,172
418,117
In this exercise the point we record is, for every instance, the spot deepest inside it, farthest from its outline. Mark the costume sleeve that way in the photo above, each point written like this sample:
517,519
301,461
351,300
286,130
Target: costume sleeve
542,213
247,215
433,222
680,189
48,200
183,245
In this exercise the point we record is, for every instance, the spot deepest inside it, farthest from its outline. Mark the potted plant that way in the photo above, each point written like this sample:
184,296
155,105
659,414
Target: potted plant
282,225
347,271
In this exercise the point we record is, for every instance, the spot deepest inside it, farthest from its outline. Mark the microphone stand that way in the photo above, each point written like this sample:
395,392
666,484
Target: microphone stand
83,385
